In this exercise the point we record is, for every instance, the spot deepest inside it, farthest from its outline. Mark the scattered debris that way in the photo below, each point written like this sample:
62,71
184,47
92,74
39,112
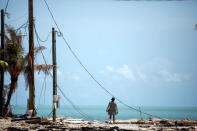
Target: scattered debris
62,123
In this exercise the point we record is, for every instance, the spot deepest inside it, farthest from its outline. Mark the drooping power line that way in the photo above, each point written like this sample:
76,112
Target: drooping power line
7,5
77,109
18,18
6,13
92,76
72,104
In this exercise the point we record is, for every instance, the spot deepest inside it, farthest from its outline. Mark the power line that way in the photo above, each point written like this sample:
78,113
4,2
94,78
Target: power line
73,114
7,5
46,39
49,53
6,8
18,18
43,84
73,105
77,58
75,54
37,38
46,61
77,109
23,26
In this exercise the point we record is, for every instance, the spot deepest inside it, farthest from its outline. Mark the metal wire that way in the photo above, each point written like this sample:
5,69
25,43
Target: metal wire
73,105
46,39
6,8
43,86
16,19
80,62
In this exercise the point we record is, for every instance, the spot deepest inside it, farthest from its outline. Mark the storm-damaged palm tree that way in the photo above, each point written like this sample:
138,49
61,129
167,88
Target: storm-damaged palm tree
3,64
18,61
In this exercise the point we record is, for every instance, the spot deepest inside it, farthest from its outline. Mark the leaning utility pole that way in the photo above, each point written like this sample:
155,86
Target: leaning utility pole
2,70
31,58
55,97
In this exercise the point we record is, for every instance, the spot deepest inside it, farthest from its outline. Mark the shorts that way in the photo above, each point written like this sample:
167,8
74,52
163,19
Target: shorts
112,112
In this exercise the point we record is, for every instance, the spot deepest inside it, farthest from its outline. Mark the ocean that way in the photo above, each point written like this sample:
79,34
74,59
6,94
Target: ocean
99,112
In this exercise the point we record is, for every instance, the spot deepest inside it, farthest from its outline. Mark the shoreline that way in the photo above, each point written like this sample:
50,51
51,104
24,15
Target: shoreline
69,123
99,112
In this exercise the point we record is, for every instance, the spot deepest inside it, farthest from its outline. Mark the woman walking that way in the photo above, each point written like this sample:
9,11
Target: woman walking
112,109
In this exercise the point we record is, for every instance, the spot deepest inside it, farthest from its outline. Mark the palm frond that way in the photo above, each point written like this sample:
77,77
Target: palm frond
18,61
8,41
44,68
26,78
15,42
3,64
2,52
38,49
24,62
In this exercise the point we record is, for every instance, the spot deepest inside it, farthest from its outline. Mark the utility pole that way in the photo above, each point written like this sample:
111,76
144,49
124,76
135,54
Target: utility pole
31,58
55,97
2,70
140,114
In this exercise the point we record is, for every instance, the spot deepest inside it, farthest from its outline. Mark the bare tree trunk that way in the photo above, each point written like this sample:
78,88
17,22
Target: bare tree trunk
12,88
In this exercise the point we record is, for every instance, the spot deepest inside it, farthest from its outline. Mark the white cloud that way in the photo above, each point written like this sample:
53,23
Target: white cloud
141,75
110,68
187,76
157,64
75,77
102,72
170,77
160,69
123,71
126,72
157,70
173,77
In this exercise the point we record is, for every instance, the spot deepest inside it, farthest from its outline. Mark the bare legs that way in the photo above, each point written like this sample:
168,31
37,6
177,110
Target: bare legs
113,118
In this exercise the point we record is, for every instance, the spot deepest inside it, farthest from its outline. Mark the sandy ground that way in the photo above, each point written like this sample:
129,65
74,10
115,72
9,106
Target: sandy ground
79,124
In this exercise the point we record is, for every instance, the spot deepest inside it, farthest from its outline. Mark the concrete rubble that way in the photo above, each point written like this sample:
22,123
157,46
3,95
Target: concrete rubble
153,124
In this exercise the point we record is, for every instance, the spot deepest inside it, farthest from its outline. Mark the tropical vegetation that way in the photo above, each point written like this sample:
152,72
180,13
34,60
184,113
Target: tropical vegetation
16,60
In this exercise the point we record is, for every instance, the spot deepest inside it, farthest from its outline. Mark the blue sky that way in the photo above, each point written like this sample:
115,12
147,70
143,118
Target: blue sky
143,52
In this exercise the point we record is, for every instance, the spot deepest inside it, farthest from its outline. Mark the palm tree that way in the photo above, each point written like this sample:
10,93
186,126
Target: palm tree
18,61
3,64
